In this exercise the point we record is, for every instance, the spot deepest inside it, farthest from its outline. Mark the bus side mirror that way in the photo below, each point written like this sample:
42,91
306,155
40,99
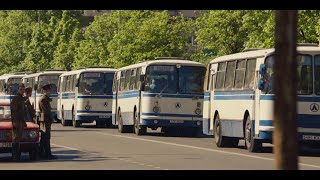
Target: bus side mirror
262,69
35,86
142,77
142,86
261,84
77,84
5,87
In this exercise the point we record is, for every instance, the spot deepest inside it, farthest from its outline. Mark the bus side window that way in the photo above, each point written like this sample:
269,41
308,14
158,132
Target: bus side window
127,80
132,79
220,75
229,80
64,85
121,87
114,84
138,78
250,74
240,73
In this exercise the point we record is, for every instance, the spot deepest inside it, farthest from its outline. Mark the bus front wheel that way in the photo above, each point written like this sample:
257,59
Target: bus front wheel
120,123
138,131
221,141
253,145
63,121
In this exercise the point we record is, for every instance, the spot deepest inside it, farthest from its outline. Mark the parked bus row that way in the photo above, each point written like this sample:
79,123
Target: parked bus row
231,99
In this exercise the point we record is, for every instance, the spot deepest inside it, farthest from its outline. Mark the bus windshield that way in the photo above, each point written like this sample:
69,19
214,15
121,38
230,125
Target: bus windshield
191,79
170,79
48,79
317,74
96,83
304,75
13,85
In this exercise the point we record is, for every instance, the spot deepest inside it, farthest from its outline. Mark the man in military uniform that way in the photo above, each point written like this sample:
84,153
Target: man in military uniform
18,121
30,112
46,120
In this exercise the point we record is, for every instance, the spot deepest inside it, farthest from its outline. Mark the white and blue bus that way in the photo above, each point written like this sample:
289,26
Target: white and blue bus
36,81
165,93
237,106
85,96
9,85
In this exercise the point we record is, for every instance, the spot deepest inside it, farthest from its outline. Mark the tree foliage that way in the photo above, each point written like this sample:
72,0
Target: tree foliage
35,40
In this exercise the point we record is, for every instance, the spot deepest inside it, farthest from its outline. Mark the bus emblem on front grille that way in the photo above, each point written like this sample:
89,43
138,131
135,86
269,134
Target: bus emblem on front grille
105,104
178,105
314,107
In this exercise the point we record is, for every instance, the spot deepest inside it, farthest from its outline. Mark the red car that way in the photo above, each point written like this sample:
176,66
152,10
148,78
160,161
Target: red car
30,138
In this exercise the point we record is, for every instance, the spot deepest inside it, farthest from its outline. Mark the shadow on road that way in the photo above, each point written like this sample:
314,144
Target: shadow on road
62,156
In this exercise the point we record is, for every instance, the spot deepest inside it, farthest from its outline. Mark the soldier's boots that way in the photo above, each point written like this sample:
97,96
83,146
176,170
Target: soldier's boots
16,154
46,154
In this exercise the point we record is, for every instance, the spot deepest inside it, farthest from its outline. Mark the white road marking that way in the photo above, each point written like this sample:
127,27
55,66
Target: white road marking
134,162
200,148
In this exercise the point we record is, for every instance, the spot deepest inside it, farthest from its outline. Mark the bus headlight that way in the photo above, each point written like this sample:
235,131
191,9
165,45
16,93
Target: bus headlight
156,109
32,134
198,123
198,111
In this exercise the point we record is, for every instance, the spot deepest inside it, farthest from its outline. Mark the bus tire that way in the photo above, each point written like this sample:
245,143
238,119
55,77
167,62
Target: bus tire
221,141
75,123
253,145
138,129
120,123
63,121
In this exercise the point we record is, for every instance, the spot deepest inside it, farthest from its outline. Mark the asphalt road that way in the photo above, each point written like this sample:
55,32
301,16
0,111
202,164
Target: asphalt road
92,148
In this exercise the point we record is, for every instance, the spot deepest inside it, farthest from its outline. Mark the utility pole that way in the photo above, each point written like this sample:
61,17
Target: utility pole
285,117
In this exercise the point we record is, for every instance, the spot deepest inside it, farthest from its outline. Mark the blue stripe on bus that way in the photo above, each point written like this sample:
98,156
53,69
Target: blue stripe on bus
122,96
172,115
85,111
265,123
173,95
51,95
96,97
233,92
129,92
7,97
304,121
299,98
93,118
308,121
235,97
166,123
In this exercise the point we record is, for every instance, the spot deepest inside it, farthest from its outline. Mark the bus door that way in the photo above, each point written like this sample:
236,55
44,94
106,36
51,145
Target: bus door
213,70
115,98
257,98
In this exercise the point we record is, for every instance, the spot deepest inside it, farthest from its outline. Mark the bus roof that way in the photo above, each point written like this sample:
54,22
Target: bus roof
168,61
13,75
95,69
49,72
262,53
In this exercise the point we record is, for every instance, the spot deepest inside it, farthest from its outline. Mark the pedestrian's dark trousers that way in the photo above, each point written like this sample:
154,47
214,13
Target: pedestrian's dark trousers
45,148
16,138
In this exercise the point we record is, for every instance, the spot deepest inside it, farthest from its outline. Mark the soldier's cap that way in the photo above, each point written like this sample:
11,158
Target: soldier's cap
46,87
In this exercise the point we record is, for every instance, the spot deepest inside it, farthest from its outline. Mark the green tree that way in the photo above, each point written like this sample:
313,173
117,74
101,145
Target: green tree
15,35
259,24
92,50
148,34
221,31
63,39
